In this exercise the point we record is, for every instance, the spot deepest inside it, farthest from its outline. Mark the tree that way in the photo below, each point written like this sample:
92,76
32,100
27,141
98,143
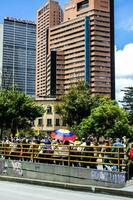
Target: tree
128,102
108,119
17,110
77,104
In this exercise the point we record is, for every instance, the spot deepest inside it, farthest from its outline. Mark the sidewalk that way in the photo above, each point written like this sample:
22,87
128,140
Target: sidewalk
124,192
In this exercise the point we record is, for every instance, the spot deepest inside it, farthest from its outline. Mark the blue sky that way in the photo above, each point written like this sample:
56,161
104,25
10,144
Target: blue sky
26,9
123,22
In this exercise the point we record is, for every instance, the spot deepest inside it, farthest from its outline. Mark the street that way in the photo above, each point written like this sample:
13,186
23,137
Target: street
18,191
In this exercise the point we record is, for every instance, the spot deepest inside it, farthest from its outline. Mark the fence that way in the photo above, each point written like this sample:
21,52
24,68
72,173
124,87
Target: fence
109,157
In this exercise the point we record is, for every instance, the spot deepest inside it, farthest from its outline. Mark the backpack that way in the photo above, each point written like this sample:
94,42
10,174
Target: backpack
131,154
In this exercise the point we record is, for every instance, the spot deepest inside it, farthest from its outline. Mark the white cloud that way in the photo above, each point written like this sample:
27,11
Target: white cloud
124,69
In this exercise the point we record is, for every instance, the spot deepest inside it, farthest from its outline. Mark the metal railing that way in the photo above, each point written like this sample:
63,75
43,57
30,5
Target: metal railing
70,155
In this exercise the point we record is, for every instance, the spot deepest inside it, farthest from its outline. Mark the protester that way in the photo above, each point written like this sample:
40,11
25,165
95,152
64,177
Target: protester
117,153
106,154
130,161
88,155
85,153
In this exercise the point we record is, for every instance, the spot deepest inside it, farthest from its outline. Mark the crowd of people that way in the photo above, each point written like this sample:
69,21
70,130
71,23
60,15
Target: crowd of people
87,153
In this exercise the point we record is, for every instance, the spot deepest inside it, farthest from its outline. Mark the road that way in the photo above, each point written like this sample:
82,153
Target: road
18,191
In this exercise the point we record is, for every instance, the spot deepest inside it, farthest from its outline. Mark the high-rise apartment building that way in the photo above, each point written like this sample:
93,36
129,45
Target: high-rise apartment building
81,48
19,54
1,52
48,16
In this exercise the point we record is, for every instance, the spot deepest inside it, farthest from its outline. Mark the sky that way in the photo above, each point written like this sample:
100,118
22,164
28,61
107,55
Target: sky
26,9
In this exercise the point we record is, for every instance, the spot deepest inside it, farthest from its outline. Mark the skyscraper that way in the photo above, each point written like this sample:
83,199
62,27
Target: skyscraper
81,48
47,16
19,54
1,52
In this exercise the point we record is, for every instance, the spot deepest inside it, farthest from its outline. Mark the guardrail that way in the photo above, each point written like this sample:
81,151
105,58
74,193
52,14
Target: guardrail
70,155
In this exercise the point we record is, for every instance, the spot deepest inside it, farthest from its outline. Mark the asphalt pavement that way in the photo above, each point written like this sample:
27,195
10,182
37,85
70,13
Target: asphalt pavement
19,191
122,192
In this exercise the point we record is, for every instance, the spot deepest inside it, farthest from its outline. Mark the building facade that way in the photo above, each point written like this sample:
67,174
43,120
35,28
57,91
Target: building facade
19,55
1,52
50,120
48,16
81,48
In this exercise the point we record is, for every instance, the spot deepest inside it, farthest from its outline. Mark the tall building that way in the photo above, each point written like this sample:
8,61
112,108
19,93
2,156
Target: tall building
48,16
81,48
19,55
1,52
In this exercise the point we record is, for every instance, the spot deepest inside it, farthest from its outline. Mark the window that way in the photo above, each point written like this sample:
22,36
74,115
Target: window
82,5
49,110
57,122
49,122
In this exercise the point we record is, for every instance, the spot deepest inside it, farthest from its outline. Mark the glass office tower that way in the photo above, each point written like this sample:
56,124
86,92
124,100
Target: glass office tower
19,55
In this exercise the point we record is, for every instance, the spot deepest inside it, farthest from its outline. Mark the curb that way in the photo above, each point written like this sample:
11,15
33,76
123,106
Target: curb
70,186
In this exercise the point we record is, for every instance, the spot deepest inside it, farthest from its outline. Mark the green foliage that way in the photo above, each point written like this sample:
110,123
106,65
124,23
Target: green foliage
17,110
88,114
77,104
29,132
108,119
128,102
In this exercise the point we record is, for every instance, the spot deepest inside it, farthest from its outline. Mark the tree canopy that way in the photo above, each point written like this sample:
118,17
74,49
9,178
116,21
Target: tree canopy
17,110
86,113
77,104
108,119
128,102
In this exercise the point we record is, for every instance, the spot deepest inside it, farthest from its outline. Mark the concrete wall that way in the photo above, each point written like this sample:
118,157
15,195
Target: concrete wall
63,174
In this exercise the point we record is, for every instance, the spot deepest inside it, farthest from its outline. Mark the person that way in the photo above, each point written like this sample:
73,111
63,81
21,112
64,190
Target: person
40,151
88,155
82,145
131,152
56,152
32,149
13,149
93,143
130,161
64,152
24,153
118,150
80,149
106,150
47,150
74,153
